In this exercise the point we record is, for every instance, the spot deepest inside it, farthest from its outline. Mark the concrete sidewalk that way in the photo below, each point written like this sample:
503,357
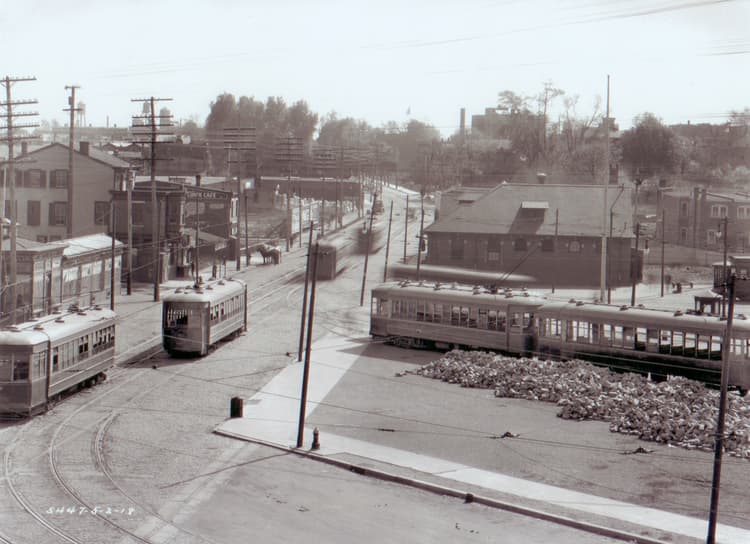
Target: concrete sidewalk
271,417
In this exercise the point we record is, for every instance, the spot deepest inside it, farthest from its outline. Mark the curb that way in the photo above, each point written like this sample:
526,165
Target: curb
455,493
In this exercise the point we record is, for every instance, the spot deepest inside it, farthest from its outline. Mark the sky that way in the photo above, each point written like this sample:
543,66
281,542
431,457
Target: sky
683,60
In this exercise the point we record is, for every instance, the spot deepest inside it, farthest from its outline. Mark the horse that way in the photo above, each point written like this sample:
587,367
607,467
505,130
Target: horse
270,253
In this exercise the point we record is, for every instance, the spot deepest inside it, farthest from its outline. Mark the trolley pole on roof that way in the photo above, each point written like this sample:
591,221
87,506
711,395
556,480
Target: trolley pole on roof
388,243
719,442
635,262
421,235
112,271
306,371
663,230
603,272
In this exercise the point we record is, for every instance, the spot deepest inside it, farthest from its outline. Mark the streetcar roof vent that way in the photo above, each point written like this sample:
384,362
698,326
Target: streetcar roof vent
526,293
572,301
221,282
579,303
741,316
523,289
81,312
437,286
623,307
677,313
14,328
641,306
39,327
208,287
178,291
508,294
97,307
476,290
59,320
454,285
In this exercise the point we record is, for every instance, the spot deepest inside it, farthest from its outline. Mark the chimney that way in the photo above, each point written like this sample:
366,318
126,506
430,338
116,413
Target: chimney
541,177
463,122
84,148
198,180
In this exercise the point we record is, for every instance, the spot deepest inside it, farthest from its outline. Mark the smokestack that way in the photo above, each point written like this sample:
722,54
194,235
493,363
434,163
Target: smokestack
463,122
198,180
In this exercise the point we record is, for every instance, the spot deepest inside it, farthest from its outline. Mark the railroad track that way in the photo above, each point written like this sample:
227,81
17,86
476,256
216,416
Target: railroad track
63,482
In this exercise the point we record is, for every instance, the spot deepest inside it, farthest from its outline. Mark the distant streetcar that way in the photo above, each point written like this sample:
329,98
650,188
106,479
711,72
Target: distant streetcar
657,342
197,316
42,358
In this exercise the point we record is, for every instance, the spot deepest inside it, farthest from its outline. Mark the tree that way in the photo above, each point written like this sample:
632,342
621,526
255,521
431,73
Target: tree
649,147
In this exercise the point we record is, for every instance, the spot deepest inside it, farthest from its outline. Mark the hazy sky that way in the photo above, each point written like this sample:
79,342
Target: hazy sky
682,60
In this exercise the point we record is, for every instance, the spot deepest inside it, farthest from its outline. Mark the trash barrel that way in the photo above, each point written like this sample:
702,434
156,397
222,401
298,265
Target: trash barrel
235,407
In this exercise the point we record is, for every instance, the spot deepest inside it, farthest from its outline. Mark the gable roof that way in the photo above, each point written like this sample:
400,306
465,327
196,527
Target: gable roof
94,154
580,211
86,244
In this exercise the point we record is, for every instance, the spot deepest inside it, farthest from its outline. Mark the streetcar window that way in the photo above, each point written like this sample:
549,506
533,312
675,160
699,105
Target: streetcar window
438,314
447,314
716,342
55,358
396,308
6,364
628,337
501,320
690,342
482,318
595,338
39,365
582,331
20,370
411,310
641,334
618,336
514,319
527,318
703,343
678,343
464,322
492,320
455,315
472,318
420,311
429,311
552,327
606,334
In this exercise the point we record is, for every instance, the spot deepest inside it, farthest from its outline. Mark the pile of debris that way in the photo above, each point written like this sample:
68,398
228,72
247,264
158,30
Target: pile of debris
679,411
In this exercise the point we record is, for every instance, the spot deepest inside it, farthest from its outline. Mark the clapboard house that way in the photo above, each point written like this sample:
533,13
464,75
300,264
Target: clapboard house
552,233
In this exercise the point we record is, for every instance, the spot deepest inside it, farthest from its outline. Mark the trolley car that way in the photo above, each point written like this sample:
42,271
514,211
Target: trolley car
657,342
42,358
197,316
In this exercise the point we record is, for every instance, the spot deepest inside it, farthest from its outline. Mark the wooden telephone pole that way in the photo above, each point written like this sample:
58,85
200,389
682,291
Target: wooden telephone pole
241,140
148,128
11,138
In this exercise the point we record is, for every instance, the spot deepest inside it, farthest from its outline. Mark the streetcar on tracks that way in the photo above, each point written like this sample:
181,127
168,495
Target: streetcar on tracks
42,358
656,342
196,317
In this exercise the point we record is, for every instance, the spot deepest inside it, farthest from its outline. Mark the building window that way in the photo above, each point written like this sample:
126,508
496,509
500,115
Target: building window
101,212
519,244
574,246
41,239
683,235
33,213
58,179
684,210
35,179
548,244
711,237
58,212
743,212
138,212
55,238
718,210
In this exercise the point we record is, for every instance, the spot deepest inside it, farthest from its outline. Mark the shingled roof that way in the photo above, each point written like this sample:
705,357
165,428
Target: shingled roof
531,209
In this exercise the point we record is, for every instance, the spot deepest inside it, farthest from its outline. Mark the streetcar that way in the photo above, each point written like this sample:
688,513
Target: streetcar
655,342
331,253
42,358
452,316
196,317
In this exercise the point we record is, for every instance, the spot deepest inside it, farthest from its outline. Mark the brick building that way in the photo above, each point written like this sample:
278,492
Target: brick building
550,232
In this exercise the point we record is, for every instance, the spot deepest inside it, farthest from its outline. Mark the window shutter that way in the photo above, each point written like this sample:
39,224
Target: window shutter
43,177
51,218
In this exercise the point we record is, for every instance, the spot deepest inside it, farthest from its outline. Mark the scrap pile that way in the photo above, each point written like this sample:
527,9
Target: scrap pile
679,411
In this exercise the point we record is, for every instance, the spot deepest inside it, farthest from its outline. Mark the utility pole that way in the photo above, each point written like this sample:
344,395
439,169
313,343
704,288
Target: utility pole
239,139
289,150
129,190
663,229
557,221
112,270
635,262
719,438
304,295
141,129
421,235
406,226
603,272
367,255
725,240
388,243
11,138
71,149
308,345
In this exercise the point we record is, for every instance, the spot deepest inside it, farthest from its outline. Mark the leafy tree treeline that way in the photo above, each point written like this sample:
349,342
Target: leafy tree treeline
519,139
